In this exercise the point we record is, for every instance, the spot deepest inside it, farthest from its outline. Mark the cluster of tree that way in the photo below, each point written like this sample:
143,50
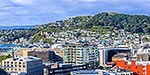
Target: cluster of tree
3,58
131,23
38,37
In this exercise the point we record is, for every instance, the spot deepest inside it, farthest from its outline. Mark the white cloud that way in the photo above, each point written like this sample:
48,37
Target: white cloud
22,1
89,0
82,0
44,11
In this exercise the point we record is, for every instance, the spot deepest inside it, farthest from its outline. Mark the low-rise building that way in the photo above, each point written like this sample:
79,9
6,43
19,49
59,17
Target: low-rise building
137,67
101,72
23,65
62,69
53,55
119,56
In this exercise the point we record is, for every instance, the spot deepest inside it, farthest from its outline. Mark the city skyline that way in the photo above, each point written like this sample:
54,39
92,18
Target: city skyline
35,12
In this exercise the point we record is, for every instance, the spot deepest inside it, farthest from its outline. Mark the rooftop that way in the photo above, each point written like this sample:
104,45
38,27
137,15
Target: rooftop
85,72
22,58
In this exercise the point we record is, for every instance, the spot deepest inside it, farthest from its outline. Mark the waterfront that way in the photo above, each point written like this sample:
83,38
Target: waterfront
8,45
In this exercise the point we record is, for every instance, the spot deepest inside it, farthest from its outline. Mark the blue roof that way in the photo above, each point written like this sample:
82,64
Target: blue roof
85,72
118,49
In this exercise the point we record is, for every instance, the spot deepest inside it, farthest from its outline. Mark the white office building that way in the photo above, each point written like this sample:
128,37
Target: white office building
23,65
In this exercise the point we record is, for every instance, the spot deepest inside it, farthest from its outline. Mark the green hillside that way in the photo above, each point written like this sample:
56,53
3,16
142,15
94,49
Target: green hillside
101,23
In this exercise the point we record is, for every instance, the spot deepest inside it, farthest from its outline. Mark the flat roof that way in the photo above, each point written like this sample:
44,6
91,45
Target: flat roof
22,58
85,72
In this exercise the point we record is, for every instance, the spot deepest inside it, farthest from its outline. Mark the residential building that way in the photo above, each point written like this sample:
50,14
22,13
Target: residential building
142,57
143,53
79,54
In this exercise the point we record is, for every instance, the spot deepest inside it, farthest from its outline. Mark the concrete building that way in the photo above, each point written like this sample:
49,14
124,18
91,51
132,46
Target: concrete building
84,72
23,65
106,54
2,72
100,72
53,55
143,53
120,56
62,69
142,57
103,55
79,54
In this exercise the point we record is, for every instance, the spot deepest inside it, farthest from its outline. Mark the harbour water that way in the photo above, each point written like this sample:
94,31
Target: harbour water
8,45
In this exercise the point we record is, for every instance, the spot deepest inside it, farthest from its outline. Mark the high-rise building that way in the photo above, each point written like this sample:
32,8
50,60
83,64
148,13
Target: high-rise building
79,54
23,65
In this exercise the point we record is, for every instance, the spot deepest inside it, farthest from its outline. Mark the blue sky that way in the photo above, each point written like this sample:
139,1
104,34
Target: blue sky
34,12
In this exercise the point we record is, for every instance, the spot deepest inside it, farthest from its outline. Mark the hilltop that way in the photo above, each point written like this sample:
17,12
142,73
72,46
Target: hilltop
101,22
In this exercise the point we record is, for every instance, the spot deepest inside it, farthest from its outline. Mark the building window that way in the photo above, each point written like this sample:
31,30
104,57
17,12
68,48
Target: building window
35,55
23,62
19,65
23,65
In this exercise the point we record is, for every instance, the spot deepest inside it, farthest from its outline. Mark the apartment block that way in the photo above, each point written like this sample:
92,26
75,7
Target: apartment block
142,57
79,54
